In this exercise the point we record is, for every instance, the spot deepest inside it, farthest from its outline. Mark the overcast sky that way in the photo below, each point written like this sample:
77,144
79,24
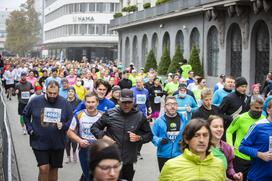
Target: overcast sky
10,4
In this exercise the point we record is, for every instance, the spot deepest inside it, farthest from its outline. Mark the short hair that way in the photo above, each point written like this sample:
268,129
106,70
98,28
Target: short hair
191,128
256,98
213,117
199,79
103,82
228,77
64,80
169,98
52,83
91,94
205,93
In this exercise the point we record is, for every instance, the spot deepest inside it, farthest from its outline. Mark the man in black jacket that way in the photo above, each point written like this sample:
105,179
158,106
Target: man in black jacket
235,103
206,109
125,82
127,127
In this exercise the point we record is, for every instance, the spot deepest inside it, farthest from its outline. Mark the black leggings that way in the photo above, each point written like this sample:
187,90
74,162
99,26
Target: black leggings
161,162
68,146
127,172
241,165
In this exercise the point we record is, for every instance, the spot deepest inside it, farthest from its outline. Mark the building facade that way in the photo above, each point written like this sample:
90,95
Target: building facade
80,28
233,37
4,13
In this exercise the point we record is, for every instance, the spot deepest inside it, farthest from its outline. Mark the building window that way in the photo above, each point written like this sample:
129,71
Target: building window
83,7
91,29
180,41
262,46
71,8
135,51
100,29
213,50
83,29
92,7
127,50
144,48
155,44
166,41
194,39
112,7
75,30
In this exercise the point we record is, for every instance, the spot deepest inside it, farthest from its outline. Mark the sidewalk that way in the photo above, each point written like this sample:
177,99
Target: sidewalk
26,161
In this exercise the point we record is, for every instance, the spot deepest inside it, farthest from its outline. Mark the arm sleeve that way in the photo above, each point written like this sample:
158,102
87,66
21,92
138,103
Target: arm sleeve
80,107
215,99
145,131
246,144
27,113
231,129
193,105
155,131
97,128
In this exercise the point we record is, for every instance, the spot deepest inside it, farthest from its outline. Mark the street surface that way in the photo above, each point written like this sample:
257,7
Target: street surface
146,169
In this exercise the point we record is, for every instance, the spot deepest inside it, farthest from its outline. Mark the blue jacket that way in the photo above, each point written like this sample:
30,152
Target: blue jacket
218,96
183,103
257,139
159,130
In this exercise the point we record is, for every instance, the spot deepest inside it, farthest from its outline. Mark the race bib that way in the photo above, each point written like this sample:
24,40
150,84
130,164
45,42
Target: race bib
140,99
52,115
86,132
172,135
9,81
157,100
25,95
184,114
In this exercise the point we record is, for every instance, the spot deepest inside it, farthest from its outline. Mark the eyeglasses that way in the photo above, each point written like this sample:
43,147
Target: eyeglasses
107,168
171,104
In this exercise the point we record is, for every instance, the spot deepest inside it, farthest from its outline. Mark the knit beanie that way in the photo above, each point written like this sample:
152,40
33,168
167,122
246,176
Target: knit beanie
239,81
111,152
116,88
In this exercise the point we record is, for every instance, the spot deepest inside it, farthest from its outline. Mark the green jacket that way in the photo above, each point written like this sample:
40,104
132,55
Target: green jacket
189,167
240,125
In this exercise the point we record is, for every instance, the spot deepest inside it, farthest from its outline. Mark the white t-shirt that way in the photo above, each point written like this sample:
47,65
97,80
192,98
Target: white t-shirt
84,125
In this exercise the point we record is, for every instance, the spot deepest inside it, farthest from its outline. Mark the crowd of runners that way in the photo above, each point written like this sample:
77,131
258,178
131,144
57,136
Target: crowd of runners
102,113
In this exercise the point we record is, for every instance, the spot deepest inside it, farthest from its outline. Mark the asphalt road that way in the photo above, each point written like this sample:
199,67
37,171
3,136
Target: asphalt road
146,169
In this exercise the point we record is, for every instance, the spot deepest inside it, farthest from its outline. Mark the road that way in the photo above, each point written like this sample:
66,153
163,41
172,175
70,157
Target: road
146,169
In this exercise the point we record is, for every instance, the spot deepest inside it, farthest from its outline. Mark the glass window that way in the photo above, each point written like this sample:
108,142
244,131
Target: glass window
92,7
75,29
83,7
91,29
70,29
213,50
111,7
77,8
83,29
99,7
100,29
71,8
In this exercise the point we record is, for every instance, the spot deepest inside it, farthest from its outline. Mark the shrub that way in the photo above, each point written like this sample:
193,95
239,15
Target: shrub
150,61
161,1
116,15
165,62
194,61
177,59
125,9
146,5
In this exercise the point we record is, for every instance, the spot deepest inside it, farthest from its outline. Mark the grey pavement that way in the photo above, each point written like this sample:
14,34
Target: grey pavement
146,169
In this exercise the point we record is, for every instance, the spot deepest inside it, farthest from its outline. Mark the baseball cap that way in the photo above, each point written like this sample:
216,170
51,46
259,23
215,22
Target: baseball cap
126,95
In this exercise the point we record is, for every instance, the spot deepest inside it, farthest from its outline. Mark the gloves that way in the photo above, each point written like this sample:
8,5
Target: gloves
164,141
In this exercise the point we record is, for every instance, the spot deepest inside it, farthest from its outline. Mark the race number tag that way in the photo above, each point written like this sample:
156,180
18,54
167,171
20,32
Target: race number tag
25,95
172,135
157,100
9,81
52,115
140,99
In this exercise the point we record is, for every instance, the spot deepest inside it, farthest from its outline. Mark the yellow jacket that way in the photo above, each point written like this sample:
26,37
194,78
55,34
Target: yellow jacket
189,167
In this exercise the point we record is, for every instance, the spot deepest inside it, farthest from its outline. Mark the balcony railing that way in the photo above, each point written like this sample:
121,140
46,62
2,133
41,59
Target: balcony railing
159,10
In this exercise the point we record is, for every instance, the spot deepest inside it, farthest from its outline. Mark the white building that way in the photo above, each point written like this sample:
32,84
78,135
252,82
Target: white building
3,16
80,28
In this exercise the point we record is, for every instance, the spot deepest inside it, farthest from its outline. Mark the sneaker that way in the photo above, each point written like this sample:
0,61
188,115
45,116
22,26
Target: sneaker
75,157
68,160
24,131
139,156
